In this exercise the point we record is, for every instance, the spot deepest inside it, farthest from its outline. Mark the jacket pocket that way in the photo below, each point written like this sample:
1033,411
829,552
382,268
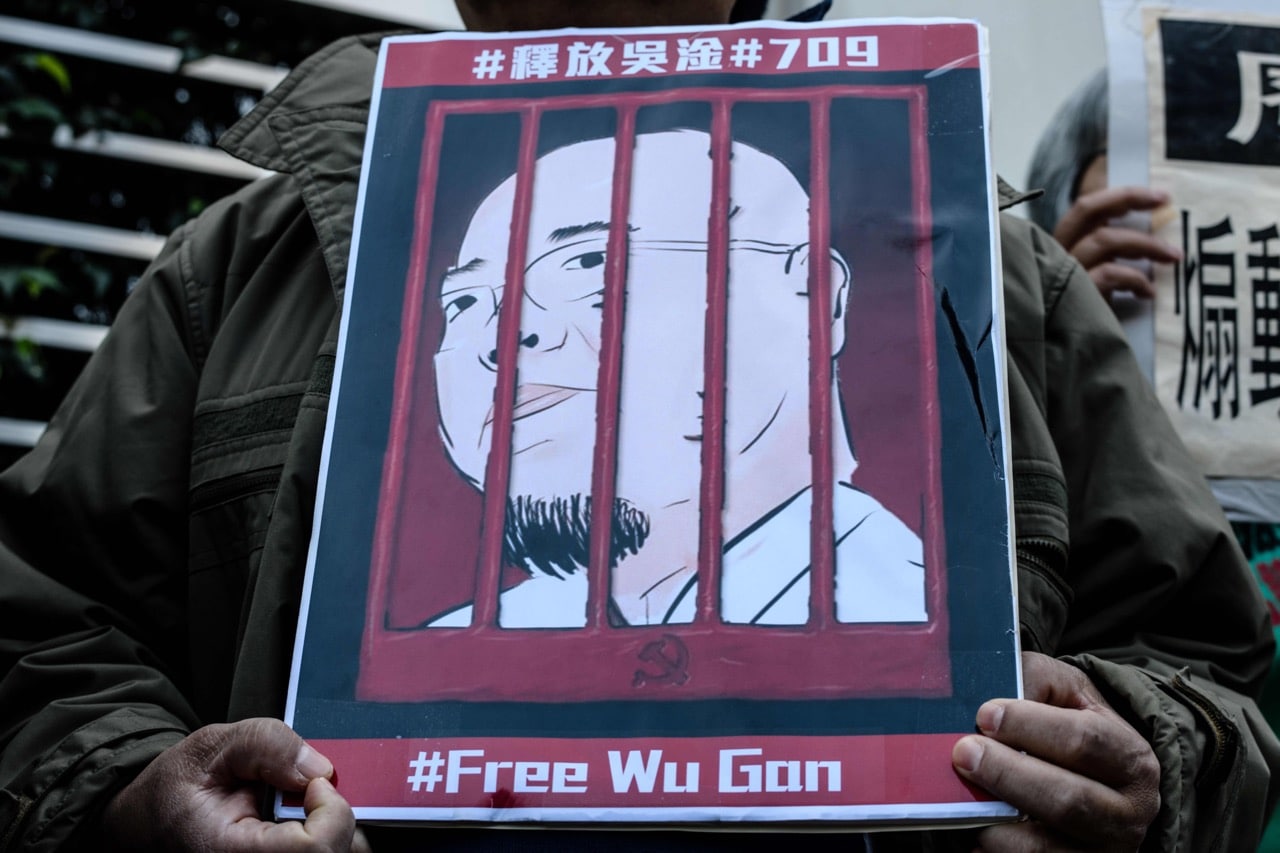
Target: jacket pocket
237,461
1042,545
228,526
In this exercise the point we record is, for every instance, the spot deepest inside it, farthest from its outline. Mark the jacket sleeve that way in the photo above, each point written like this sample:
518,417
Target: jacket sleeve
1165,616
92,575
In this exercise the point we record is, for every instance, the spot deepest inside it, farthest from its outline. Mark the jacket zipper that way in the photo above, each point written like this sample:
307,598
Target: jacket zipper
219,491
1048,555
1024,552
1222,730
1045,558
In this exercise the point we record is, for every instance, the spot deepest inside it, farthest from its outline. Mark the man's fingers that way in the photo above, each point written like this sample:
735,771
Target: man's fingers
330,821
201,794
329,827
1065,720
1113,277
1049,680
1094,744
1075,805
1096,208
1048,684
1063,756
1109,242
267,750
360,844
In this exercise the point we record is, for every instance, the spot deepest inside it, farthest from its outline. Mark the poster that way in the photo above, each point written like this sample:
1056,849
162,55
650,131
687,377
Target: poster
1214,108
739,286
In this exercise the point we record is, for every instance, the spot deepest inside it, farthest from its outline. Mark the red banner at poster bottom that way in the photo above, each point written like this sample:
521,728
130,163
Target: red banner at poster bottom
646,773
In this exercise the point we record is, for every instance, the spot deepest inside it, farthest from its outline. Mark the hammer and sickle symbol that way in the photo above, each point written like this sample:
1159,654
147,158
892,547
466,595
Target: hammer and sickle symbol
670,655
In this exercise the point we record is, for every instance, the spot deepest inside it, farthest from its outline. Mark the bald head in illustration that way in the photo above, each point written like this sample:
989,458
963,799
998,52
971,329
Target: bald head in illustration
765,521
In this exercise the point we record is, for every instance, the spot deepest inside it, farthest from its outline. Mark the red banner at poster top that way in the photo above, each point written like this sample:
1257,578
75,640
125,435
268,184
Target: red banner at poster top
640,54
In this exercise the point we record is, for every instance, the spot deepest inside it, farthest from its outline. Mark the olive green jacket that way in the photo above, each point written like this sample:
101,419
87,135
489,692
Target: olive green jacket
152,546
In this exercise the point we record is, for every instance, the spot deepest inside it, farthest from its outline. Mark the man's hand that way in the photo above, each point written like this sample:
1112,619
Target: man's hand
201,795
1086,779
1087,233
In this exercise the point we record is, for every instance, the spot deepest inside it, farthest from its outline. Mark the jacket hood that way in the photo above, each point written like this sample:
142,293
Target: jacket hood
338,76
312,127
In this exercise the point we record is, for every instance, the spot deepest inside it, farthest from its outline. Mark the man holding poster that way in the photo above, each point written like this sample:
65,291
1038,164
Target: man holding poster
152,548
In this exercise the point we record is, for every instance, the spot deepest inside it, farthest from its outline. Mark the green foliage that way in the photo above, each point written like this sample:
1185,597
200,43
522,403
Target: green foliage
100,279
271,32
34,86
23,358
74,13
51,66
33,281
12,171
22,112
134,119
43,93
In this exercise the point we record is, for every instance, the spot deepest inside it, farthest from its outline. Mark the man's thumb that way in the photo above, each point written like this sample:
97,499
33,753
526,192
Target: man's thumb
267,750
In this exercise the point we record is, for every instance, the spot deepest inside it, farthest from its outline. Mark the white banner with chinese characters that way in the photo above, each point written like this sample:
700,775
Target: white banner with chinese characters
1214,111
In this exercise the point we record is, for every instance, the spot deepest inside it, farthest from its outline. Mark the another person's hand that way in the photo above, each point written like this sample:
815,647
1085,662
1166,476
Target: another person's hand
1087,233
202,794
1086,779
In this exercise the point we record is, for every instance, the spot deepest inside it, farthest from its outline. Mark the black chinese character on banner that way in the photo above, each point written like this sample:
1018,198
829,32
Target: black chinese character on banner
1259,93
1265,364
1206,298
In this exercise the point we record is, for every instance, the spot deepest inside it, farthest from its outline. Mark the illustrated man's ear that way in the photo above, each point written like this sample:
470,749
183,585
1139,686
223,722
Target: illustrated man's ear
840,277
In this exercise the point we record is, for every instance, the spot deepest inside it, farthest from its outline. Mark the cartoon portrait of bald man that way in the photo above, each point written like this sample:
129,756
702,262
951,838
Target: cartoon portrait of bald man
879,572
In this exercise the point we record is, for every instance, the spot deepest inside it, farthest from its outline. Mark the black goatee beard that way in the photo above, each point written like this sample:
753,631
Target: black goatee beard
552,535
